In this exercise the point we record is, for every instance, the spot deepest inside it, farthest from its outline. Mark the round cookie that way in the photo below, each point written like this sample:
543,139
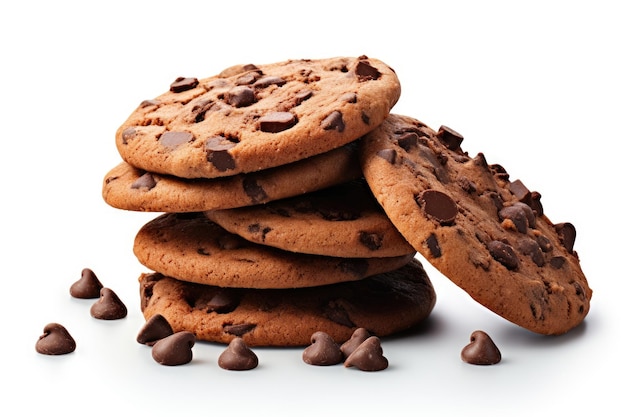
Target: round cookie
253,117
344,220
129,188
191,248
383,304
487,234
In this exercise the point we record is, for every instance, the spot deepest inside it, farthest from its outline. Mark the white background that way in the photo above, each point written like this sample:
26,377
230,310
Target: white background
538,86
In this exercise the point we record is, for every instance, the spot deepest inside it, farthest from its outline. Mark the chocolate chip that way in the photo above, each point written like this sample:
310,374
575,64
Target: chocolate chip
217,153
175,349
88,286
520,214
358,336
544,243
146,181
407,141
55,340
240,96
481,350
257,229
302,96
567,235
531,248
237,357
357,267
148,103
366,72
368,356
156,328
253,190
450,138
183,84
238,329
334,121
372,241
519,190
365,118
323,351
388,155
438,205
433,245
467,185
172,140
277,122
336,313
348,97
504,254
269,80
128,134
557,262
109,306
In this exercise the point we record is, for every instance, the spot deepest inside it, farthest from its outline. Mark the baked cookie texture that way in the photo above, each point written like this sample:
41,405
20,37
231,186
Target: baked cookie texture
253,117
129,188
486,233
344,220
190,247
383,304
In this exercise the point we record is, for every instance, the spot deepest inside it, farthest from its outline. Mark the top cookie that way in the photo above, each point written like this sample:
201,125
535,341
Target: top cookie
487,234
255,117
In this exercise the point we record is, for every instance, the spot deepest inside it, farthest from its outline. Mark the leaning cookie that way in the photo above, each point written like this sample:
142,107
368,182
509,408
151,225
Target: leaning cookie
384,304
485,233
129,188
192,248
253,117
344,220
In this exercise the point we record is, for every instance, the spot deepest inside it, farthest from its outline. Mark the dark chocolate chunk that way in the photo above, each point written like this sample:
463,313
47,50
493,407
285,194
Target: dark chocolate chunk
148,103
173,140
241,96
407,141
238,356
520,214
481,350
335,312
88,286
504,254
109,306
269,80
438,205
372,241
557,262
388,155
334,121
531,248
183,84
128,134
217,153
366,72
450,138
55,340
519,190
156,328
368,356
323,351
146,181
358,336
175,349
253,190
222,300
238,329
567,235
277,122
433,245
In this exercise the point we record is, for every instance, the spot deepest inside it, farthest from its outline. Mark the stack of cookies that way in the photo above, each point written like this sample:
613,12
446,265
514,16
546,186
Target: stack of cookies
291,200
267,229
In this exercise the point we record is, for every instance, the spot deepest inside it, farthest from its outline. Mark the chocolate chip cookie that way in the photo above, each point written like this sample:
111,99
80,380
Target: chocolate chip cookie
129,188
253,117
383,304
344,220
190,247
484,231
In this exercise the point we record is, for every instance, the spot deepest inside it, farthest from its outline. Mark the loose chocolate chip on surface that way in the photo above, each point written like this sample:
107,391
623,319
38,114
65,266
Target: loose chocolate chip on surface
359,336
450,138
368,356
567,234
172,140
366,72
504,254
156,328
174,349
88,286
183,84
323,351
277,122
109,306
55,340
481,350
238,357
334,121
438,205
146,181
